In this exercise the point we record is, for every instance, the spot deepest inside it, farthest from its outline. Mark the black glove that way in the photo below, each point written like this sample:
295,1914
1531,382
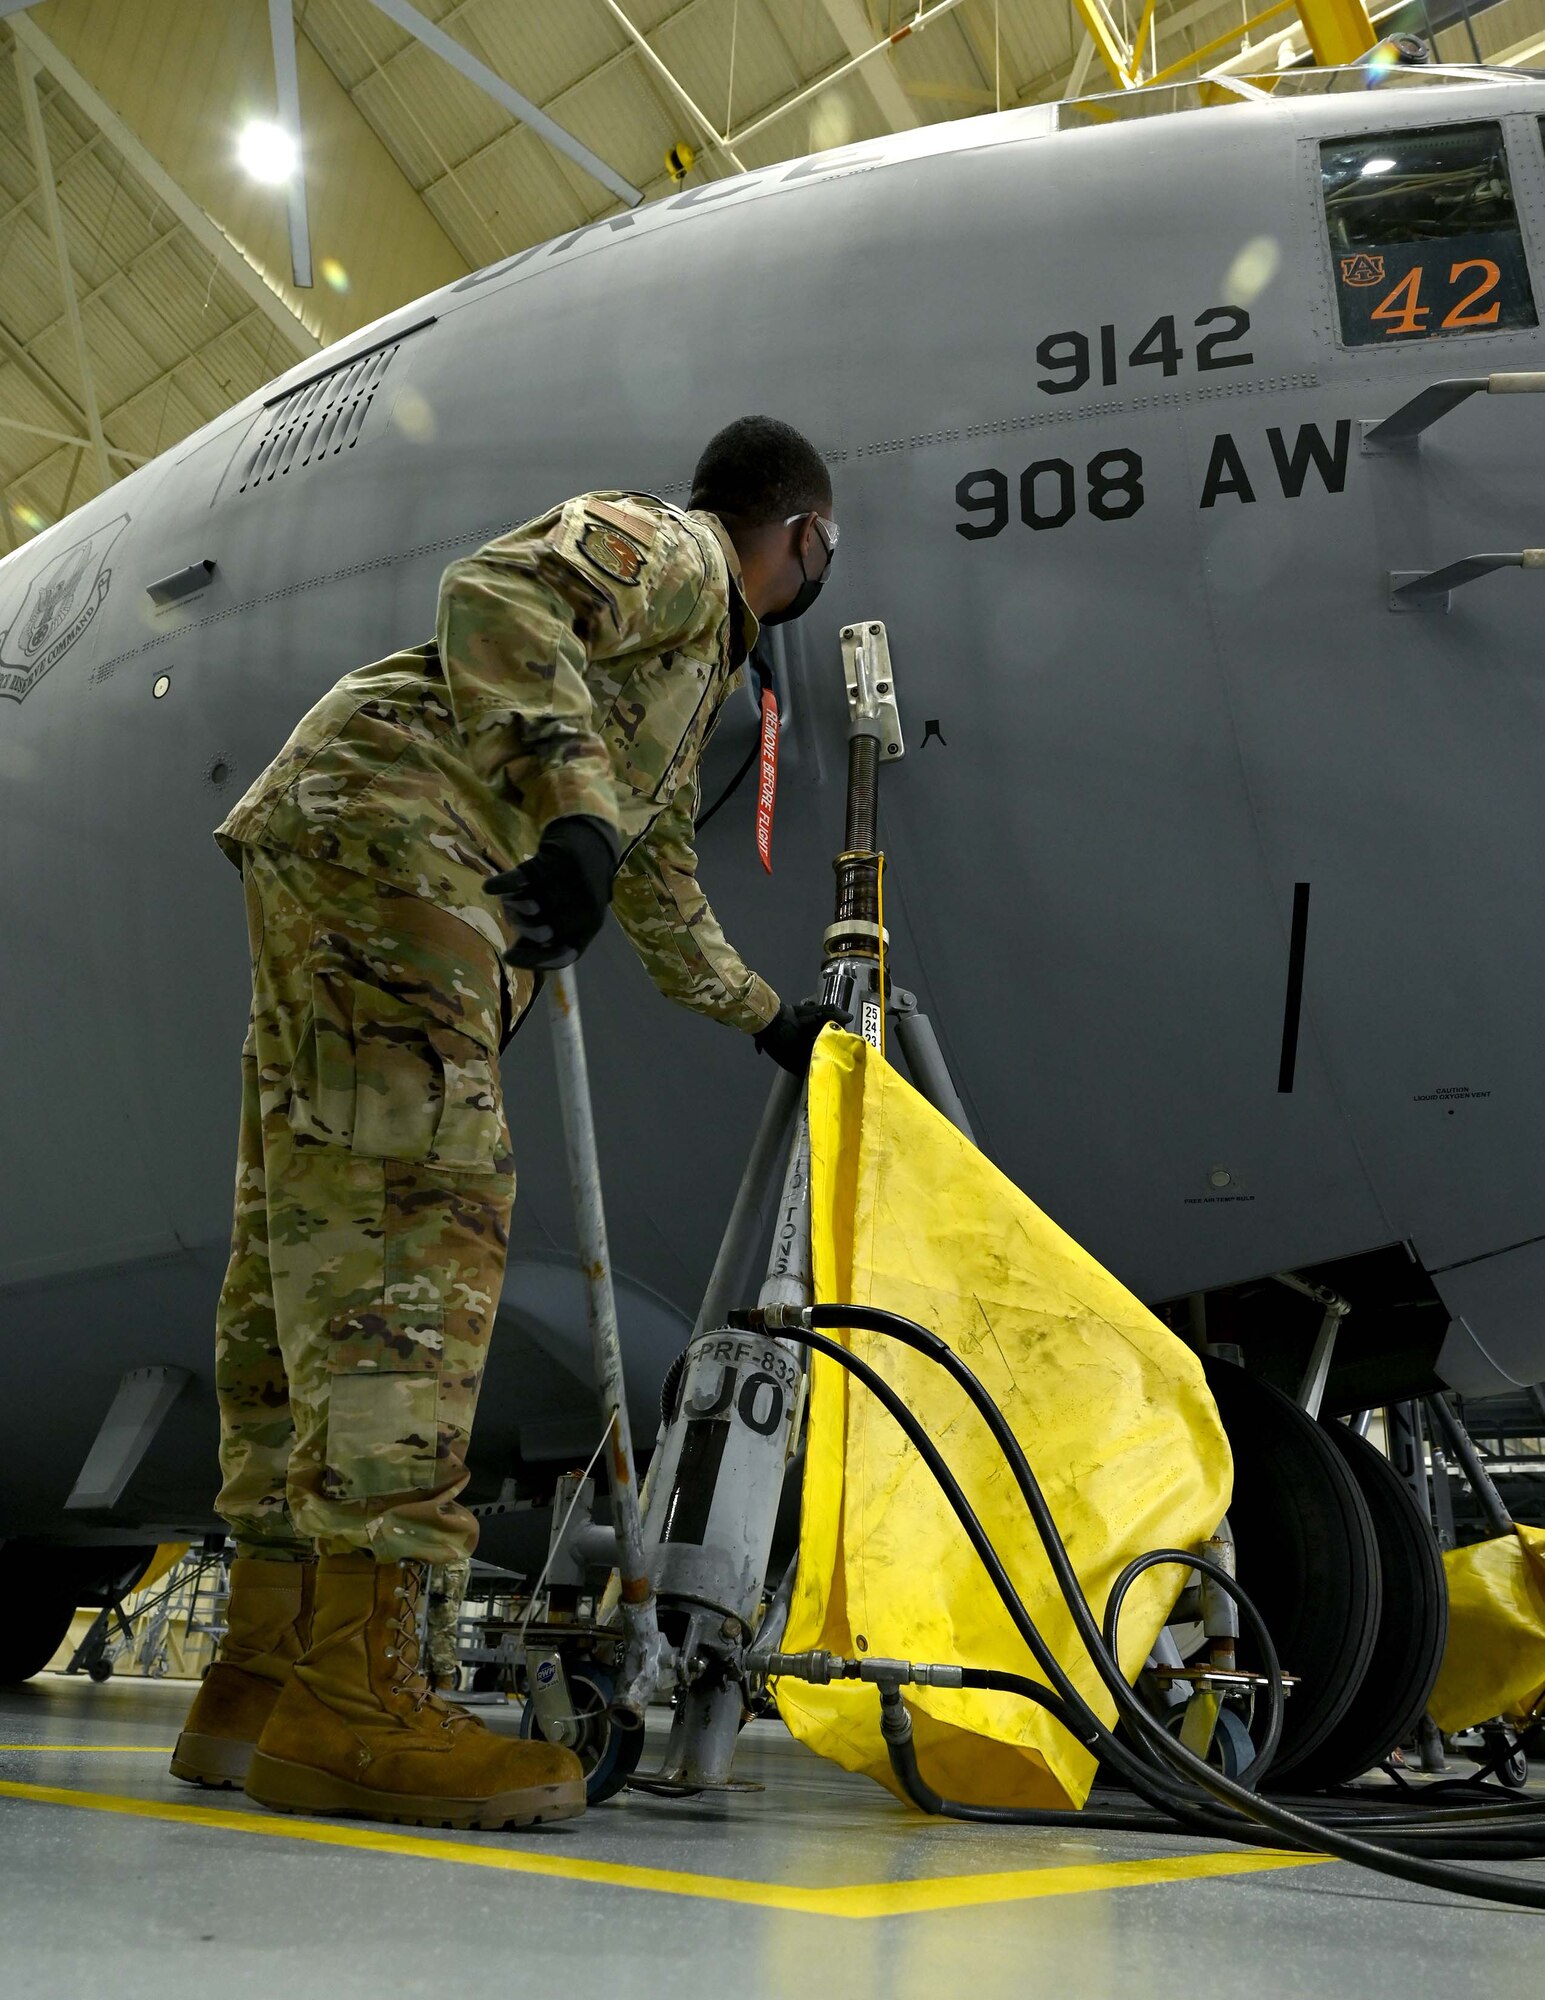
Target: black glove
791,1034
557,900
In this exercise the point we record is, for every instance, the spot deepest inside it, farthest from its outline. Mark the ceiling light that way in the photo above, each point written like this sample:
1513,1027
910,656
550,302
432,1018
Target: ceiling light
1379,166
267,152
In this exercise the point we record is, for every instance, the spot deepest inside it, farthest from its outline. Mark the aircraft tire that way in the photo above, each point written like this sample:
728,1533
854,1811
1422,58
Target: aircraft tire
1413,1626
1307,1555
35,1626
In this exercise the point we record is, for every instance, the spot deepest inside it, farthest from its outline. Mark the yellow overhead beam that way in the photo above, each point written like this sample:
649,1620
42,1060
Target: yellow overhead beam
1140,45
1224,41
1339,31
1108,41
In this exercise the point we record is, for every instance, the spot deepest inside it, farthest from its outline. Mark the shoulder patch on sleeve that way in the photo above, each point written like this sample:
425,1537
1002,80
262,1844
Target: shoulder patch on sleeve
612,552
633,522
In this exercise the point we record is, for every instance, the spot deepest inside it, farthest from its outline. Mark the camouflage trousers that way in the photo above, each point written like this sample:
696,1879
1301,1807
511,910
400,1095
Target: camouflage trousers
374,1185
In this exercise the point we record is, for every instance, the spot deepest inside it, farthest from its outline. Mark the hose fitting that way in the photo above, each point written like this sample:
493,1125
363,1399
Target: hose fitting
921,1674
895,1716
824,1668
820,1668
770,1319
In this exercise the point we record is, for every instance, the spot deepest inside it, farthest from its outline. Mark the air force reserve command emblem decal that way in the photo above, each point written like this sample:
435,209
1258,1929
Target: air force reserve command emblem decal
56,605
612,552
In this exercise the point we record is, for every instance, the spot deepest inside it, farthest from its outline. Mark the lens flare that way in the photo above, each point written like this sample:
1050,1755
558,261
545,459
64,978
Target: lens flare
1381,60
334,274
27,517
1252,270
831,123
267,152
413,416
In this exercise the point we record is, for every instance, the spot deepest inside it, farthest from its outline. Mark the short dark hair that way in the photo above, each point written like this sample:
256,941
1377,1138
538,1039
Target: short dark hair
758,470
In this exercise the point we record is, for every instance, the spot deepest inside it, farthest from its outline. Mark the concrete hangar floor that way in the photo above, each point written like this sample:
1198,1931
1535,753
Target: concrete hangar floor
115,1877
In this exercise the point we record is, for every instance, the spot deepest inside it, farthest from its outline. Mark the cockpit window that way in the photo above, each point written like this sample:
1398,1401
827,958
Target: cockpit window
1424,235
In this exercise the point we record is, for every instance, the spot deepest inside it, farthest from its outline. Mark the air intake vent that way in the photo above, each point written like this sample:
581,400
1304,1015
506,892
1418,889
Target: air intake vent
321,418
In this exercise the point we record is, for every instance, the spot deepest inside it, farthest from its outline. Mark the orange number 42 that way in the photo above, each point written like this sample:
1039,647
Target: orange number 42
1402,312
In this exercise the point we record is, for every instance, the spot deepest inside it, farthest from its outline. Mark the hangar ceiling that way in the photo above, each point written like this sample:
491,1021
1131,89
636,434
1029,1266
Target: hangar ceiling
176,295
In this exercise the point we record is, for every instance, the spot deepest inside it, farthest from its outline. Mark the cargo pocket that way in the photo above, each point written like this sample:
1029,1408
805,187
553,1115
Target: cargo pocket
380,1076
382,1426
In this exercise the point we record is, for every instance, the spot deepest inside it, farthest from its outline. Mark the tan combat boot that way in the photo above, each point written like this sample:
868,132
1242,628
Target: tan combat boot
359,1730
268,1627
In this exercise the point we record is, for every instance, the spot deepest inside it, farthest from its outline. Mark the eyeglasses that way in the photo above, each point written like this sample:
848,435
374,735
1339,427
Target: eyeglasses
827,530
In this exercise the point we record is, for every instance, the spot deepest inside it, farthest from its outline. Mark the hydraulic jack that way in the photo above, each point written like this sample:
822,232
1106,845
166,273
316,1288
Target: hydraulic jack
686,1614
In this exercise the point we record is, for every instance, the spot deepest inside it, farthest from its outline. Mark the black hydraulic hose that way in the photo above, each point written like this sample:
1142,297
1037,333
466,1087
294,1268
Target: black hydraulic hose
1154,1784
1163,1559
1151,1734
1297,1829
1128,1705
1200,1816
1490,1833
1508,1846
1470,1842
1292,1829
896,1726
998,1681
894,1327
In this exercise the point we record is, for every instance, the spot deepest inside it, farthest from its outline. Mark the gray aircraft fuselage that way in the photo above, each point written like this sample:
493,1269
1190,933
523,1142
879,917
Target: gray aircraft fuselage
1151,683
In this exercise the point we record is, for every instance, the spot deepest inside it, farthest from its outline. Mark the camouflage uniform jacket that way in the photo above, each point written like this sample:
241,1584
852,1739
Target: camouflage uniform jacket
579,665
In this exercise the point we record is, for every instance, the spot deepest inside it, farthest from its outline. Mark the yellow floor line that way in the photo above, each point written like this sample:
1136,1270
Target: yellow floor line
99,1749
858,1899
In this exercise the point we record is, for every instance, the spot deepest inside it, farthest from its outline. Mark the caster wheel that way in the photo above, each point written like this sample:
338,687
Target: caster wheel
1514,1772
100,1670
609,1747
1231,1749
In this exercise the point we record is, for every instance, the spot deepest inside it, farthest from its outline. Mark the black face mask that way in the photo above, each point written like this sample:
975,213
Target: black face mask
803,598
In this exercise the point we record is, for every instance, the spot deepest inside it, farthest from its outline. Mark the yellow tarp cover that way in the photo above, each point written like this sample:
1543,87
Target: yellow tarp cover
1112,1410
1494,1662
